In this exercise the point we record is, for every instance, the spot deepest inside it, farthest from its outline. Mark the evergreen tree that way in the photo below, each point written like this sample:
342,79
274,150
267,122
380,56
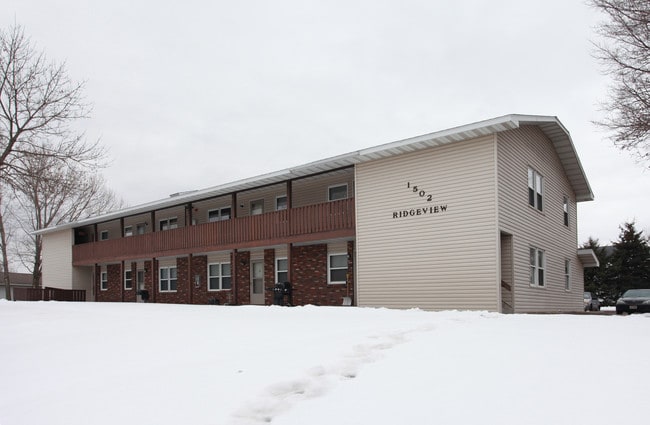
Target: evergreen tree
631,260
596,277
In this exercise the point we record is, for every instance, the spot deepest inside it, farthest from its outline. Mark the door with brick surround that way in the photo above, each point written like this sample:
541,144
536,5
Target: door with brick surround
257,282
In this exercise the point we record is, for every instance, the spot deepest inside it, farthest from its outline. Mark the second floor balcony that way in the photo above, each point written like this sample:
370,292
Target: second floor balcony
335,219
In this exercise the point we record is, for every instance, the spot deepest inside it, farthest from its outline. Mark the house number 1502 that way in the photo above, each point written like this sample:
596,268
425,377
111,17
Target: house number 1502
421,193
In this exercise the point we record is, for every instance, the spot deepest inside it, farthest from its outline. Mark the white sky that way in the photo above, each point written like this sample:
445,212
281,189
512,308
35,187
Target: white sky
194,94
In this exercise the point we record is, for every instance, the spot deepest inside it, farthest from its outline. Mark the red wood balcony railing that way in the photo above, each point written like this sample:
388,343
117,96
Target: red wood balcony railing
314,222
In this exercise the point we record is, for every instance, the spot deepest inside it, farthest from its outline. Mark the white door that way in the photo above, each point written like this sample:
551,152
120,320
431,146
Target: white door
257,282
139,284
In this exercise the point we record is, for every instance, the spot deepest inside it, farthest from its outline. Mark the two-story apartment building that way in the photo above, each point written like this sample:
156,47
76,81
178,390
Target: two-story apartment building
481,216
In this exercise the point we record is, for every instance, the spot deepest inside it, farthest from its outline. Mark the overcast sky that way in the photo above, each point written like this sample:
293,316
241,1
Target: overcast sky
193,94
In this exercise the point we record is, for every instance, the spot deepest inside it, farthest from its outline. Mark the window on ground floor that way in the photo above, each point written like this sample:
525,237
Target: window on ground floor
537,267
103,281
281,270
337,268
167,279
219,276
128,279
567,275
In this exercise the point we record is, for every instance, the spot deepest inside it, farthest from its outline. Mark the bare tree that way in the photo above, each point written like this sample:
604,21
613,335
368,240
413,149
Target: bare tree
624,51
38,104
48,194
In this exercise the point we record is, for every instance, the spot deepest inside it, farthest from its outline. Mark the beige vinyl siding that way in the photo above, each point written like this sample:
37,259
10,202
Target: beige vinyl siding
112,227
138,219
315,190
57,259
175,212
267,194
437,261
201,209
219,257
517,150
167,262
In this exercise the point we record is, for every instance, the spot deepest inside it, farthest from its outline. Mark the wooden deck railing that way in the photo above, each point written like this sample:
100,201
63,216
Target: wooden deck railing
48,294
262,229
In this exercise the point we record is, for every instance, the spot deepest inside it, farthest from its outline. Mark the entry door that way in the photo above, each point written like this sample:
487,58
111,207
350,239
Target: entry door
257,282
139,284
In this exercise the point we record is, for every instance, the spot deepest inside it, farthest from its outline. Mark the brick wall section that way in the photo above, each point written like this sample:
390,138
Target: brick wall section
350,278
114,292
309,274
202,295
148,280
243,272
182,294
129,295
269,275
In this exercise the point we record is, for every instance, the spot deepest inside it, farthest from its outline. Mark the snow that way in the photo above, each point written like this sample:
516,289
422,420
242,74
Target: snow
101,363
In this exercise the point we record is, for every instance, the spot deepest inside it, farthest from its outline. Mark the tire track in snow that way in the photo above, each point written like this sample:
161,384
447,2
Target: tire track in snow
282,396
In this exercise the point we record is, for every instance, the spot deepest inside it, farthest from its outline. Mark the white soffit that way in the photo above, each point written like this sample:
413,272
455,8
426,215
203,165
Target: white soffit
551,126
588,257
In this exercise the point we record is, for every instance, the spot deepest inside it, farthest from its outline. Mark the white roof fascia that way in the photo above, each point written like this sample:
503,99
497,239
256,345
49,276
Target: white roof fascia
588,257
549,124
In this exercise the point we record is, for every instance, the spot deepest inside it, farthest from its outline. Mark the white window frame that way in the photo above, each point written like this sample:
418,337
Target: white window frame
565,207
261,201
103,281
536,189
537,267
170,223
278,270
168,279
128,279
220,277
336,186
128,231
220,215
277,204
103,235
567,275
330,268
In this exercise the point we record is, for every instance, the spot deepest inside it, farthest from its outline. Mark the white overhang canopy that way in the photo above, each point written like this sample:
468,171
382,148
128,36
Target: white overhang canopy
588,257
550,125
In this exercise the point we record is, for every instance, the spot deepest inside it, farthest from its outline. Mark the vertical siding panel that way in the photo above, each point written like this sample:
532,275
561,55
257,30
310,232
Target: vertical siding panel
445,260
517,150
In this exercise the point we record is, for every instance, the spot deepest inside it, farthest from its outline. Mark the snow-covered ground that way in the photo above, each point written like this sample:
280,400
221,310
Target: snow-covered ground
94,363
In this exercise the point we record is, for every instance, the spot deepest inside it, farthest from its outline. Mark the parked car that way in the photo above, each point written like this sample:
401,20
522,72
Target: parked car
591,303
634,300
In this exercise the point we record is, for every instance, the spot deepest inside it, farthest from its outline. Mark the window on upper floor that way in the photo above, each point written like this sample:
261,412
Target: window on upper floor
219,214
169,223
103,235
128,231
537,267
337,192
566,211
281,203
257,207
535,189
140,228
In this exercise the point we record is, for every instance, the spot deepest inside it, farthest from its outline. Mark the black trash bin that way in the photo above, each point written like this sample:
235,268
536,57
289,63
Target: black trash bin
144,294
278,294
287,290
